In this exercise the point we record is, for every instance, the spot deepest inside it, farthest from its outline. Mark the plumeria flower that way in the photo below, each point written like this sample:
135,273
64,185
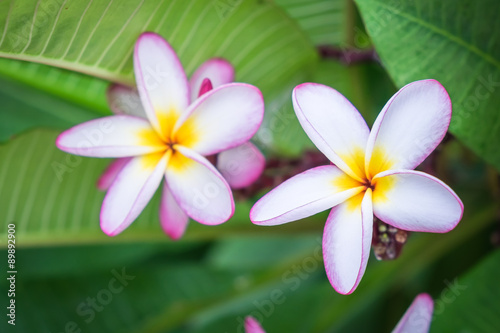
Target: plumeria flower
170,143
417,319
371,173
240,166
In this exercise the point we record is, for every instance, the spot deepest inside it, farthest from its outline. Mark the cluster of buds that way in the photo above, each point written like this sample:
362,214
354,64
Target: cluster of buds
387,241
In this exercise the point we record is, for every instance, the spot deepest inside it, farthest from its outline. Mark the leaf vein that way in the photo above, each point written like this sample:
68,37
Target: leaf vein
118,34
32,25
76,30
93,31
53,27
7,22
470,47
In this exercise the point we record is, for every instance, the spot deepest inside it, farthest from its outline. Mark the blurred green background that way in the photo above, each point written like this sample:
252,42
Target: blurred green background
57,58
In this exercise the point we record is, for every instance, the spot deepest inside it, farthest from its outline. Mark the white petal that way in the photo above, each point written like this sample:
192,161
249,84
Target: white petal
173,219
113,136
134,186
409,128
242,165
303,195
415,201
347,240
199,189
417,319
221,119
125,100
161,81
334,126
219,71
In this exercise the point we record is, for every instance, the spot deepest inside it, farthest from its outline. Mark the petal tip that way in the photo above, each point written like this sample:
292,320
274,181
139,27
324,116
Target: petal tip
241,166
175,236
101,184
339,288
252,214
255,211
150,34
62,141
426,298
307,84
104,228
105,223
219,221
219,61
58,141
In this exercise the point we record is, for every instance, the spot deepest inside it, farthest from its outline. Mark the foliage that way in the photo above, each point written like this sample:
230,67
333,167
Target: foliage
57,58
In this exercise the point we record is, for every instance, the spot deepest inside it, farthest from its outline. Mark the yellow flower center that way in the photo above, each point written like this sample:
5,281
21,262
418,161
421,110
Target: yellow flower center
356,162
169,137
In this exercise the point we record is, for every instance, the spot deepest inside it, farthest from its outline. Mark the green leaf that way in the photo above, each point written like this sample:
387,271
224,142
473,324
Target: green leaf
96,38
144,299
24,108
71,261
84,90
326,22
470,303
456,42
366,85
251,253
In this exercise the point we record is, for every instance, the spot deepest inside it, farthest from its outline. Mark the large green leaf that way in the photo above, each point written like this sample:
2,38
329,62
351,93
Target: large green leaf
24,107
326,22
470,303
456,42
266,47
145,299
366,85
88,91
97,38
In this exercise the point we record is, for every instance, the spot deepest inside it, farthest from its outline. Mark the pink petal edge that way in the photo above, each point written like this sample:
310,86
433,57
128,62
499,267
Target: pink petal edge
173,219
379,120
218,70
324,198
241,171
259,106
203,161
252,325
144,92
109,224
423,307
366,236
318,138
420,173
109,175
114,138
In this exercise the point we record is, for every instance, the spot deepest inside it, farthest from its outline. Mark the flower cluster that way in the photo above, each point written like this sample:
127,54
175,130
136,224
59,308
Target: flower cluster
170,129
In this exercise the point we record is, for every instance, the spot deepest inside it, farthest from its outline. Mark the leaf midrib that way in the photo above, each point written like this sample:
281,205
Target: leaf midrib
72,66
